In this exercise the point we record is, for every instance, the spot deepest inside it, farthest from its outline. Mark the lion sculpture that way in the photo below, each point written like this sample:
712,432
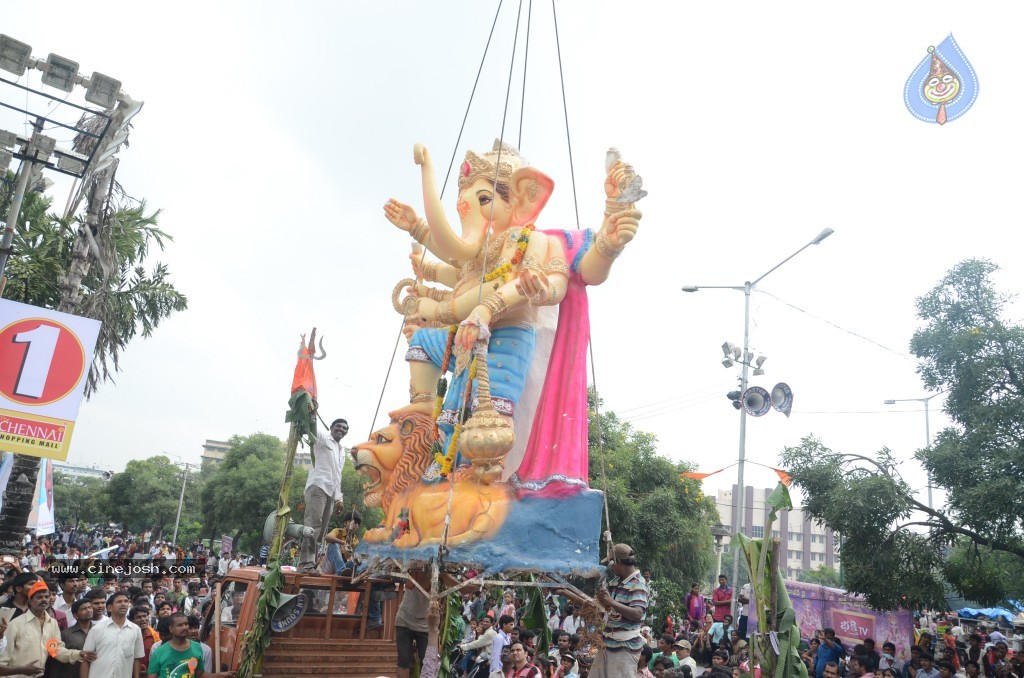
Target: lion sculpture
394,459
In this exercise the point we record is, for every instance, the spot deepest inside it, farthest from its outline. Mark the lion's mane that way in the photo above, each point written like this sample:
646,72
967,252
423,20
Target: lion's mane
417,443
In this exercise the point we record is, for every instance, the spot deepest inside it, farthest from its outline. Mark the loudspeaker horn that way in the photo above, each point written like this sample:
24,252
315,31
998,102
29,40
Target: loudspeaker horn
756,401
782,398
293,530
289,612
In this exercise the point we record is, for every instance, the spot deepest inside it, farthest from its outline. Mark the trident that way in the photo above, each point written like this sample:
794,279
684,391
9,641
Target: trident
309,352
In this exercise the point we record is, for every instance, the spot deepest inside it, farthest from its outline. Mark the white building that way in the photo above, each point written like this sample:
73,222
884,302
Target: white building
72,471
807,545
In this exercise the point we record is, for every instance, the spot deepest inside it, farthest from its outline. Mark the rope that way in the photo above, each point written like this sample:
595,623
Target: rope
526,56
565,110
600,447
479,70
387,376
444,186
442,549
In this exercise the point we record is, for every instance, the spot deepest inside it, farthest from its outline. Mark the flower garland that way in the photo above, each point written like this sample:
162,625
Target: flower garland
504,270
446,461
442,382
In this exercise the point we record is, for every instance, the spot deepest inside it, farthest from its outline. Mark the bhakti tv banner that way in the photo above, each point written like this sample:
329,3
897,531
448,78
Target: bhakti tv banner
44,359
819,607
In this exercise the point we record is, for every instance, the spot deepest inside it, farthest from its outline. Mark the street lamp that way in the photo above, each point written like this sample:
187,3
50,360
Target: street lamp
719,531
746,288
927,428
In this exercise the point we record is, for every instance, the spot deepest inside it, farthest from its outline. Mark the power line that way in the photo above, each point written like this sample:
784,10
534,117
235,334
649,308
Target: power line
901,354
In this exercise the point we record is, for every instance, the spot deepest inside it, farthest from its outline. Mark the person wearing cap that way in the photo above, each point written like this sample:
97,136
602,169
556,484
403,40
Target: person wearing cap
34,636
682,649
625,599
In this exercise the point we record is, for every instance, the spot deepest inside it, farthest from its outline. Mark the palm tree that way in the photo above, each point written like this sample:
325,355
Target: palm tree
58,266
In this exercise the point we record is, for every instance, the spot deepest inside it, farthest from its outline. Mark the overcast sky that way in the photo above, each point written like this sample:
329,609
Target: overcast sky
273,133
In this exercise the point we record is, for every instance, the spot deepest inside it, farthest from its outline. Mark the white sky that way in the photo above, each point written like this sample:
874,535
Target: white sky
273,133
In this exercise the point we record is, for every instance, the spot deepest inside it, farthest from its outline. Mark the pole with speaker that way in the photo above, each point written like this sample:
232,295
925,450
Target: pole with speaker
757,401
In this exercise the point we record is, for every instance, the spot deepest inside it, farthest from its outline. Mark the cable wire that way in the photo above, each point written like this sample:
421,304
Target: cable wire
526,55
451,162
565,111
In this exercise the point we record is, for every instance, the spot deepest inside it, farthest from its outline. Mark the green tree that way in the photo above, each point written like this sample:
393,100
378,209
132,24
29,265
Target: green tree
145,495
78,500
666,519
822,575
243,489
975,543
54,268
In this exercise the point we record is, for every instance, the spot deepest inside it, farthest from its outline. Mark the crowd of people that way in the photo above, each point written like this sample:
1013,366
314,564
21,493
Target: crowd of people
67,625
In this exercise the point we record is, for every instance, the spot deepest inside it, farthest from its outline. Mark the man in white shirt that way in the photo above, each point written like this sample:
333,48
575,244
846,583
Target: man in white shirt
117,643
744,609
323,491
70,587
572,622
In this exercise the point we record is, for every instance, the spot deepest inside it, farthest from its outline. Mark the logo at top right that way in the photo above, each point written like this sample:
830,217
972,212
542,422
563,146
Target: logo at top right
943,86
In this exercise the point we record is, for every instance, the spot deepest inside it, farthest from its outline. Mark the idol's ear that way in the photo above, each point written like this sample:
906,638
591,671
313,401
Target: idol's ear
531,189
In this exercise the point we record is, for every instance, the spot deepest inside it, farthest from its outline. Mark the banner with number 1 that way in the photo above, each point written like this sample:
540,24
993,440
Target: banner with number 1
44,359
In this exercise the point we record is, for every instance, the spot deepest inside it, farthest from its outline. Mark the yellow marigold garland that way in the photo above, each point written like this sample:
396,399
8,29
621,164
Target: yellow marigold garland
446,461
504,270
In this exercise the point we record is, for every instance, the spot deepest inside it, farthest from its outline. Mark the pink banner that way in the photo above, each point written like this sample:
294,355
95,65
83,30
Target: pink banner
819,607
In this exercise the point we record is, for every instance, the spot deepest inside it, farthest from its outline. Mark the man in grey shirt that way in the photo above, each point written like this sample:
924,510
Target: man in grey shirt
411,627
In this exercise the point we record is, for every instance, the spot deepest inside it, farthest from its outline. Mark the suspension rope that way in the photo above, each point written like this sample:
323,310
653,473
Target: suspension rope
565,110
451,162
479,70
526,56
600,447
442,549
590,340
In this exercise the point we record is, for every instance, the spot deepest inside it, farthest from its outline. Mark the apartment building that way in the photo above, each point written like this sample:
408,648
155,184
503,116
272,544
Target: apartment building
807,545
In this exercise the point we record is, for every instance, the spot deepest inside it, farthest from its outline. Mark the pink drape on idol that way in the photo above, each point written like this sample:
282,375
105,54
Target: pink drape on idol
556,463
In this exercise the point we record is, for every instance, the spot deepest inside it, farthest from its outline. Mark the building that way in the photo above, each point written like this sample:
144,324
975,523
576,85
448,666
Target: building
80,471
214,451
807,544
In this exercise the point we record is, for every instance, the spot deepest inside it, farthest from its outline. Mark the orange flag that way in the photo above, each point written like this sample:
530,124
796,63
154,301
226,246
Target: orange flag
699,476
304,377
784,477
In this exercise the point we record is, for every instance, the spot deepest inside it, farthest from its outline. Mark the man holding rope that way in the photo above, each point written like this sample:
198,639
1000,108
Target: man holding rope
625,599
323,491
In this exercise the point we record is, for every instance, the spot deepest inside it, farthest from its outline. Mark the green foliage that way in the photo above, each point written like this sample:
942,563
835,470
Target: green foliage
126,298
667,520
243,489
823,575
975,544
352,489
79,500
969,349
146,494
256,640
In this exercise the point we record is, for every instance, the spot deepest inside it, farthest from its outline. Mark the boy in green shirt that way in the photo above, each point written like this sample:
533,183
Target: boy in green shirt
180,657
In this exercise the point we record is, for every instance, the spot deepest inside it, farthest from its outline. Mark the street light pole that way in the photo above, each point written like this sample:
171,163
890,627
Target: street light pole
927,428
181,500
738,501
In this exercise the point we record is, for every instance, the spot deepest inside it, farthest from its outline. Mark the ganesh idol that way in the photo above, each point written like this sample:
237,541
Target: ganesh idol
514,295
505,277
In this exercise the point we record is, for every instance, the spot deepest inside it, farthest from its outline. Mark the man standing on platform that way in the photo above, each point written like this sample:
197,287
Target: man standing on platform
323,491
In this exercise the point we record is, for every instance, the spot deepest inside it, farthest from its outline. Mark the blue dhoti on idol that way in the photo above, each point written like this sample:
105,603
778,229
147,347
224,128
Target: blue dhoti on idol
509,354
